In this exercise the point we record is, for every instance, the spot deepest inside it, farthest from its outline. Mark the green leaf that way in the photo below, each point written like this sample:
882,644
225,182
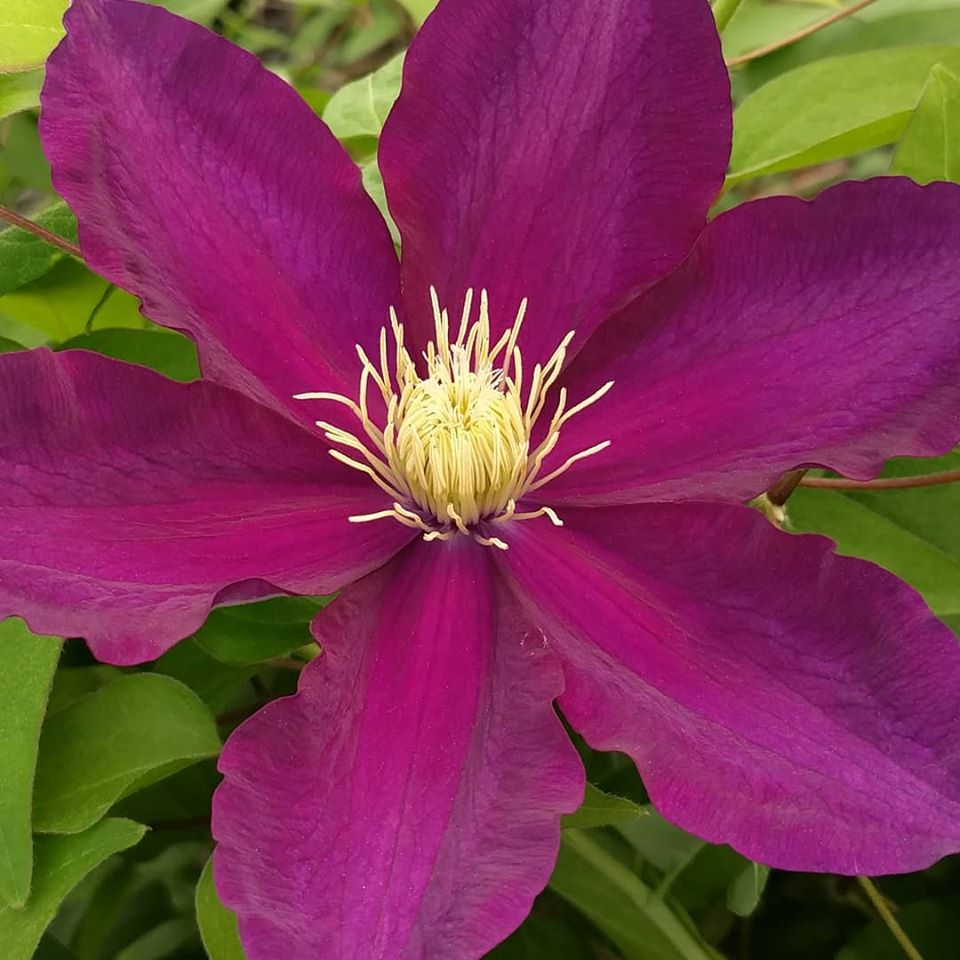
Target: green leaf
703,884
831,108
902,24
113,741
17,336
19,91
29,30
364,38
743,896
373,184
215,683
759,23
9,346
27,666
662,844
913,533
360,108
594,876
73,683
930,147
25,257
253,632
22,161
162,942
171,354
128,905
218,925
548,932
61,863
419,10
51,949
203,11
724,11
184,797
62,303
693,873
356,114
601,809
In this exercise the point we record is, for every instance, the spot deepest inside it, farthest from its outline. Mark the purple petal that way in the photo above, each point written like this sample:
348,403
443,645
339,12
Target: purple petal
797,333
205,185
405,803
562,151
129,503
797,705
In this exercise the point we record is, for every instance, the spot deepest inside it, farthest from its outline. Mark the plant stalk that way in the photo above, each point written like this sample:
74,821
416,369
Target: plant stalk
14,218
883,483
886,915
799,34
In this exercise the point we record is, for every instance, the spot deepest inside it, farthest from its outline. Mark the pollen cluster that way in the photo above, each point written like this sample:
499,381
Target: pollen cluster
455,453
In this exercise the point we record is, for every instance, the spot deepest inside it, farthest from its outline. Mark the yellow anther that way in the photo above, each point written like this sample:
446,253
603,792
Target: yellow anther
455,450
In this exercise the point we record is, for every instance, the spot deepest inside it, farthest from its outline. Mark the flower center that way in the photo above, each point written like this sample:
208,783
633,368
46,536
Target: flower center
455,452
461,442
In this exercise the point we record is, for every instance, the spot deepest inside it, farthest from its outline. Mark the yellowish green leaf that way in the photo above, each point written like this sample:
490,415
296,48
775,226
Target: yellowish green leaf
19,91
118,739
27,665
61,863
930,147
832,108
29,30
218,925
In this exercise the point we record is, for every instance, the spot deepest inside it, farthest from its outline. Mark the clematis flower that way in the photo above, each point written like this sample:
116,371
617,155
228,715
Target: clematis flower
529,495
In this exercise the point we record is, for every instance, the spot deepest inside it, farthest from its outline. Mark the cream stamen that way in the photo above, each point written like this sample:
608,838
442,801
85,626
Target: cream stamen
455,449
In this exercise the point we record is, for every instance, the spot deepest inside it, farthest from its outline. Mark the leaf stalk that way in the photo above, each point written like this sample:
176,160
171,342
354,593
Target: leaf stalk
890,921
883,483
799,34
55,240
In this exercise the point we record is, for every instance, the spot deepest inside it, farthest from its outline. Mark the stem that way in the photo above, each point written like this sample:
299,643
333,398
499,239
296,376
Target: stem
886,915
286,663
723,11
884,483
52,238
104,297
799,34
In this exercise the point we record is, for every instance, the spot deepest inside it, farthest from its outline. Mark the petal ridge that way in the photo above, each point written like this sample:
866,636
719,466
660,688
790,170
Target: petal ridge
239,220
815,333
795,704
385,851
130,503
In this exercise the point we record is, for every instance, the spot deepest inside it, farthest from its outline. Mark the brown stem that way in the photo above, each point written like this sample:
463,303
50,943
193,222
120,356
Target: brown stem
884,483
52,238
799,34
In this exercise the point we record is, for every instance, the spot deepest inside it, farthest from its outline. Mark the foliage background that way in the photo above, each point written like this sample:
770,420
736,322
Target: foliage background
106,775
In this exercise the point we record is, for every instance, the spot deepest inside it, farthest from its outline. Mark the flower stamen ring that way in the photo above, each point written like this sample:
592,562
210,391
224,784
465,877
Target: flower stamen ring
456,448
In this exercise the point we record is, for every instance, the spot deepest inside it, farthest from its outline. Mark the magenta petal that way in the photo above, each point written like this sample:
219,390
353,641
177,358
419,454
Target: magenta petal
798,705
129,503
797,333
405,803
562,151
206,186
